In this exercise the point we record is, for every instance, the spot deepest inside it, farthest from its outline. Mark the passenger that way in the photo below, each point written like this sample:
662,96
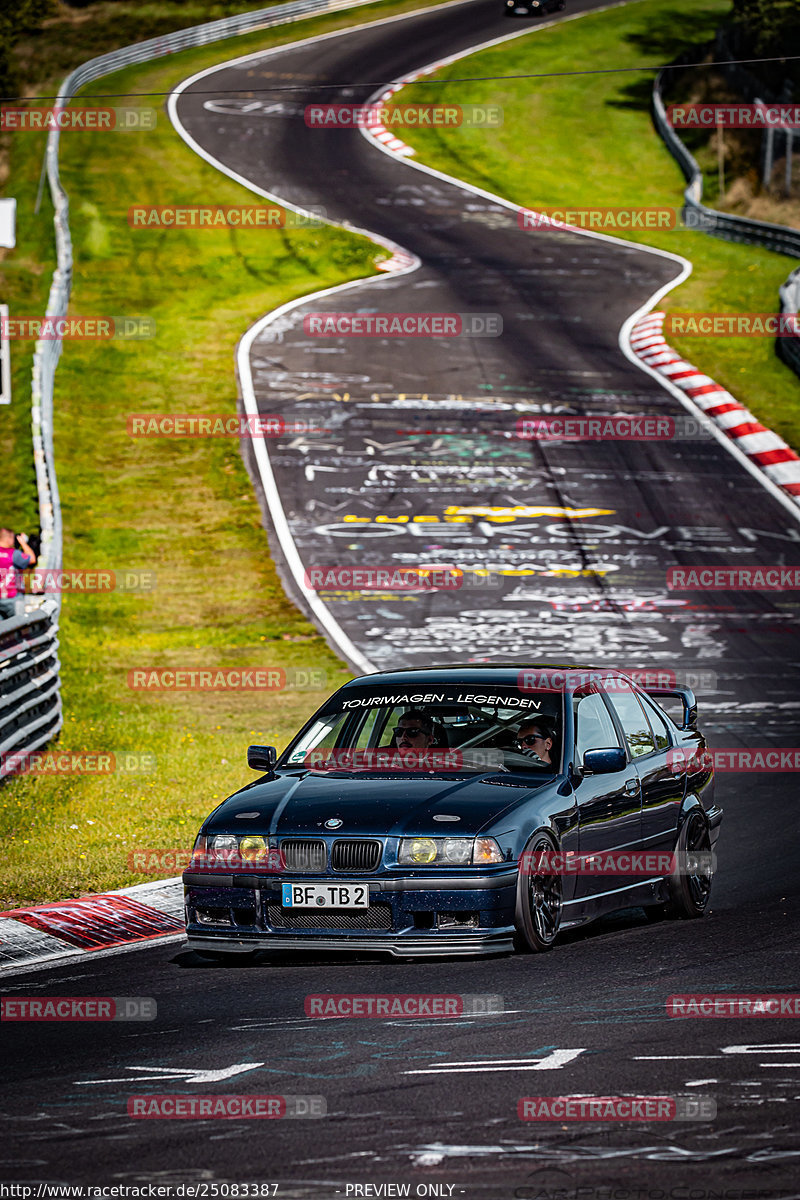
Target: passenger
535,740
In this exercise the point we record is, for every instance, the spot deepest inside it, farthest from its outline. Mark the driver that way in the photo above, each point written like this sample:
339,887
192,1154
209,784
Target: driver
535,740
414,730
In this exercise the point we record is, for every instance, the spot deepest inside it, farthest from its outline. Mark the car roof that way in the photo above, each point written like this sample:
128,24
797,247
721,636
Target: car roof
472,673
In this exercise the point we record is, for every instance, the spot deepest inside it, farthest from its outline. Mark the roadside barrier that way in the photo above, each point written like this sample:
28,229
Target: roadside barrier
780,238
30,699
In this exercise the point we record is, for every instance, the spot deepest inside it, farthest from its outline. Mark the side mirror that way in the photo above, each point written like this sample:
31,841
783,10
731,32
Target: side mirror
604,762
261,758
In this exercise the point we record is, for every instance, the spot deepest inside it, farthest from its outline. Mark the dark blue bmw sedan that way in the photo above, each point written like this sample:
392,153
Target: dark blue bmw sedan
461,810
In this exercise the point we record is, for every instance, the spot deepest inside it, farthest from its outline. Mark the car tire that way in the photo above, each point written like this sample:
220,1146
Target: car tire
537,915
689,894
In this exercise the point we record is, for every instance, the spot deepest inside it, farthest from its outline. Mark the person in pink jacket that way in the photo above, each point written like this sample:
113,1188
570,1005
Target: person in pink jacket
11,561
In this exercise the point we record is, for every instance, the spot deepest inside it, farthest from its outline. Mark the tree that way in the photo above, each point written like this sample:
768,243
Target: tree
18,19
766,29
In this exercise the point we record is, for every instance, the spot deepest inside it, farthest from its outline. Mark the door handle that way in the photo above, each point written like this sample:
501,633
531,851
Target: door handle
632,786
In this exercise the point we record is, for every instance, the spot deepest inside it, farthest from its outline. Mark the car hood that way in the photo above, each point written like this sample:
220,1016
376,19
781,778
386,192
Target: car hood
299,804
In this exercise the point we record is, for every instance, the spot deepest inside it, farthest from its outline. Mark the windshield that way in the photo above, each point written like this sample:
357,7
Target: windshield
453,729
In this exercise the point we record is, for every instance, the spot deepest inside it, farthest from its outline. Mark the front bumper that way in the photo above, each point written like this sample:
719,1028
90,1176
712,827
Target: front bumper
407,915
399,947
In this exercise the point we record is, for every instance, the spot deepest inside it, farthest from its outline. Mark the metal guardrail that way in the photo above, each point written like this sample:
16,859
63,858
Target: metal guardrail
30,698
780,238
30,701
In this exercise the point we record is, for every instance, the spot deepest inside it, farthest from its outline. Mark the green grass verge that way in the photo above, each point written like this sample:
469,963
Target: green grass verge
588,141
185,509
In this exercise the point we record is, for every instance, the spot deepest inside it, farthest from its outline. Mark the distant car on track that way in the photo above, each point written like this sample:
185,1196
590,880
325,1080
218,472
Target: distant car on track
448,811
532,8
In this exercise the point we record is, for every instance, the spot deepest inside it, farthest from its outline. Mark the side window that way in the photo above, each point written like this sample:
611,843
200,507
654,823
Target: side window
594,727
366,734
634,723
658,723
323,735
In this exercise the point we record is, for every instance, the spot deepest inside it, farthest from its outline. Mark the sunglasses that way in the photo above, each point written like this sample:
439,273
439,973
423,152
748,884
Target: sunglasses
530,738
404,729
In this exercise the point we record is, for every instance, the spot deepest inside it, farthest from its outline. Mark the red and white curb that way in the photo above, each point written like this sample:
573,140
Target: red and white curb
763,447
146,912
383,135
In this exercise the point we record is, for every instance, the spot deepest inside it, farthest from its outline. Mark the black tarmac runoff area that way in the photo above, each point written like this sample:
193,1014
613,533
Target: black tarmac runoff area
424,428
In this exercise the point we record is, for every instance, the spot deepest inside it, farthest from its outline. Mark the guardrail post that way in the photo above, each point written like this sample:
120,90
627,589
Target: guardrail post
789,141
769,134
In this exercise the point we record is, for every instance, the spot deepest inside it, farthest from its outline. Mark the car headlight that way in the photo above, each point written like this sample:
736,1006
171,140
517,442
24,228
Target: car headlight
232,849
448,852
419,851
224,842
252,848
456,850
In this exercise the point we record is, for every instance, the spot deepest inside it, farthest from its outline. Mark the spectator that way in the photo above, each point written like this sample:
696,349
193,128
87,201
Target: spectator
11,561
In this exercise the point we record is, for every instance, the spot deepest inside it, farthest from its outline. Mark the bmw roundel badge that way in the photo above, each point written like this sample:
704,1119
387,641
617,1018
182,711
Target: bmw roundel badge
333,823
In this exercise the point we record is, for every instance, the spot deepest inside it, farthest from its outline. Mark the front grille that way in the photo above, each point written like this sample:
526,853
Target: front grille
377,916
353,855
304,857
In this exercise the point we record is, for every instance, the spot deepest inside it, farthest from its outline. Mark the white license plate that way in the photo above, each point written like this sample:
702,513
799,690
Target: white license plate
325,895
